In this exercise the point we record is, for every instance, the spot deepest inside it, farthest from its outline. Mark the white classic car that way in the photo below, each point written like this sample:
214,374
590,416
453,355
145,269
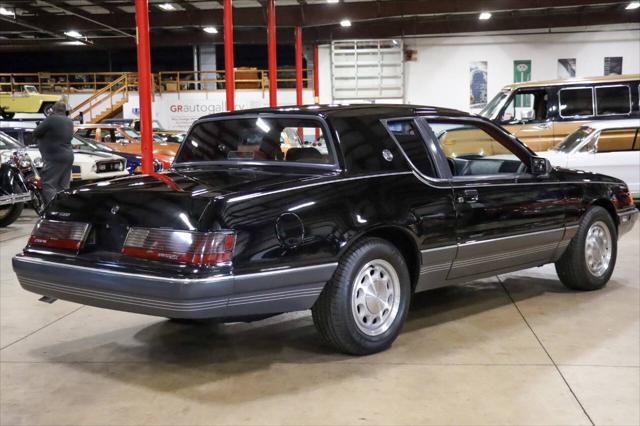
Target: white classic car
88,165
609,147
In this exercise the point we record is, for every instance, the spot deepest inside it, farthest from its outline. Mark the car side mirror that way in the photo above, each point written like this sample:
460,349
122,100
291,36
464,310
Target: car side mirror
540,166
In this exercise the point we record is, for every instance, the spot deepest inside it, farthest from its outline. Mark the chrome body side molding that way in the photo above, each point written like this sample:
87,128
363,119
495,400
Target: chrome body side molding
477,259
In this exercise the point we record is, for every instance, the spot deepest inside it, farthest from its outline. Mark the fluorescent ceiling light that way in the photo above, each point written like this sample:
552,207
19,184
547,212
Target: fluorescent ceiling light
210,30
167,7
7,12
333,1
633,5
345,23
73,33
484,16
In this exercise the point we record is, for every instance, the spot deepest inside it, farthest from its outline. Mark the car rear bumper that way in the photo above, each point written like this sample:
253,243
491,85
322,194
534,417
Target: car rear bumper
626,220
223,296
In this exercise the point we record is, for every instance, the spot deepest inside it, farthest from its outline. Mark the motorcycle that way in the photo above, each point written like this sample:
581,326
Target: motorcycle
19,184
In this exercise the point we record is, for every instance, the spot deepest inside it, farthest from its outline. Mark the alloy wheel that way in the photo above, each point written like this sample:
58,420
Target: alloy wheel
597,253
375,299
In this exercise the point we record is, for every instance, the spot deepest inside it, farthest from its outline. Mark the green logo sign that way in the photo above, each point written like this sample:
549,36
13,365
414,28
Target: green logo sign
522,72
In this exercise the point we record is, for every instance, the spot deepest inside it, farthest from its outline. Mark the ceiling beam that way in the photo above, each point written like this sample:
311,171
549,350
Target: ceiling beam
402,27
81,14
317,15
187,5
22,23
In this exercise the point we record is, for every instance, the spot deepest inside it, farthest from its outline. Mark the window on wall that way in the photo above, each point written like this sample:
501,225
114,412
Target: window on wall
576,102
612,100
367,69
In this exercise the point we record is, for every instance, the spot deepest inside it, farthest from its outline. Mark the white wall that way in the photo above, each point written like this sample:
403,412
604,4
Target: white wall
324,71
440,76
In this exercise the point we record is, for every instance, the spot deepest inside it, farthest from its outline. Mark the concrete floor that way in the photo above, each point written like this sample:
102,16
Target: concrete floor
514,349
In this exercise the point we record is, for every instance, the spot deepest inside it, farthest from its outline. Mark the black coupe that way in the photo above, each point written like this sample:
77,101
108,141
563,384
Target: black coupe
253,220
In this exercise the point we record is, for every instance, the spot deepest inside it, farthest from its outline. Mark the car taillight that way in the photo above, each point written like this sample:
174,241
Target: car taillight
59,234
195,248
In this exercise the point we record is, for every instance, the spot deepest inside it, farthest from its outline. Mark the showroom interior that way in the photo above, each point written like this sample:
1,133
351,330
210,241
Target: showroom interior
246,235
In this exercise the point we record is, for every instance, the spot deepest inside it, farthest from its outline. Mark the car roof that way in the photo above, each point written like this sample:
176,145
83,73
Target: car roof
574,81
613,124
349,110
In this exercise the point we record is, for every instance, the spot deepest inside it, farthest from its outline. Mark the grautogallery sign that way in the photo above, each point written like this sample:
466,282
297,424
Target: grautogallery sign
180,111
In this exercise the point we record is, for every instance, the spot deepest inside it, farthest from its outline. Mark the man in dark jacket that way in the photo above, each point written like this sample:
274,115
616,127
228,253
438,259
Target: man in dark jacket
53,136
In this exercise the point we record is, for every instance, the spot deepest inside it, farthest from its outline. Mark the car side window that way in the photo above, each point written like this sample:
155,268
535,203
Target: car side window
524,106
411,142
90,133
615,140
576,102
475,150
613,100
367,146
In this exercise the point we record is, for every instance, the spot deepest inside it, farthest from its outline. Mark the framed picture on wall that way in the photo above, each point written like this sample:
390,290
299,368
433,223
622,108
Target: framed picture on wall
522,73
566,68
613,65
478,84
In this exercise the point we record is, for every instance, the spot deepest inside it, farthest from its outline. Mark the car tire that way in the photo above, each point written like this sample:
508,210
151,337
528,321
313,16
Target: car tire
47,109
10,214
363,307
589,260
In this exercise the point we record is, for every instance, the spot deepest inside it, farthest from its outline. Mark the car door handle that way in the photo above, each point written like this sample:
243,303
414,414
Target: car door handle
468,196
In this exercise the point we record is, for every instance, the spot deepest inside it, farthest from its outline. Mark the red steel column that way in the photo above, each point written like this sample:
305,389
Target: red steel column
144,84
272,45
229,75
316,76
299,65
316,82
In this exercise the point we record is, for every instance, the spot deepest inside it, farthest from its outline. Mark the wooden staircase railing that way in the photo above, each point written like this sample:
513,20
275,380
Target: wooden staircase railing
115,93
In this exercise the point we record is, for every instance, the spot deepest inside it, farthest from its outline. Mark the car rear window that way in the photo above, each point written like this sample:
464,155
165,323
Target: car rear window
255,138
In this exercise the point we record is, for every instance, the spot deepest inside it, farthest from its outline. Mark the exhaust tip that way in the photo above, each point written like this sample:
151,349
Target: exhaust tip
47,299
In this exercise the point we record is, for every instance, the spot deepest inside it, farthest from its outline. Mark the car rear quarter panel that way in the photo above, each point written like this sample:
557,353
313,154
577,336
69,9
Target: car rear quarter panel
334,214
